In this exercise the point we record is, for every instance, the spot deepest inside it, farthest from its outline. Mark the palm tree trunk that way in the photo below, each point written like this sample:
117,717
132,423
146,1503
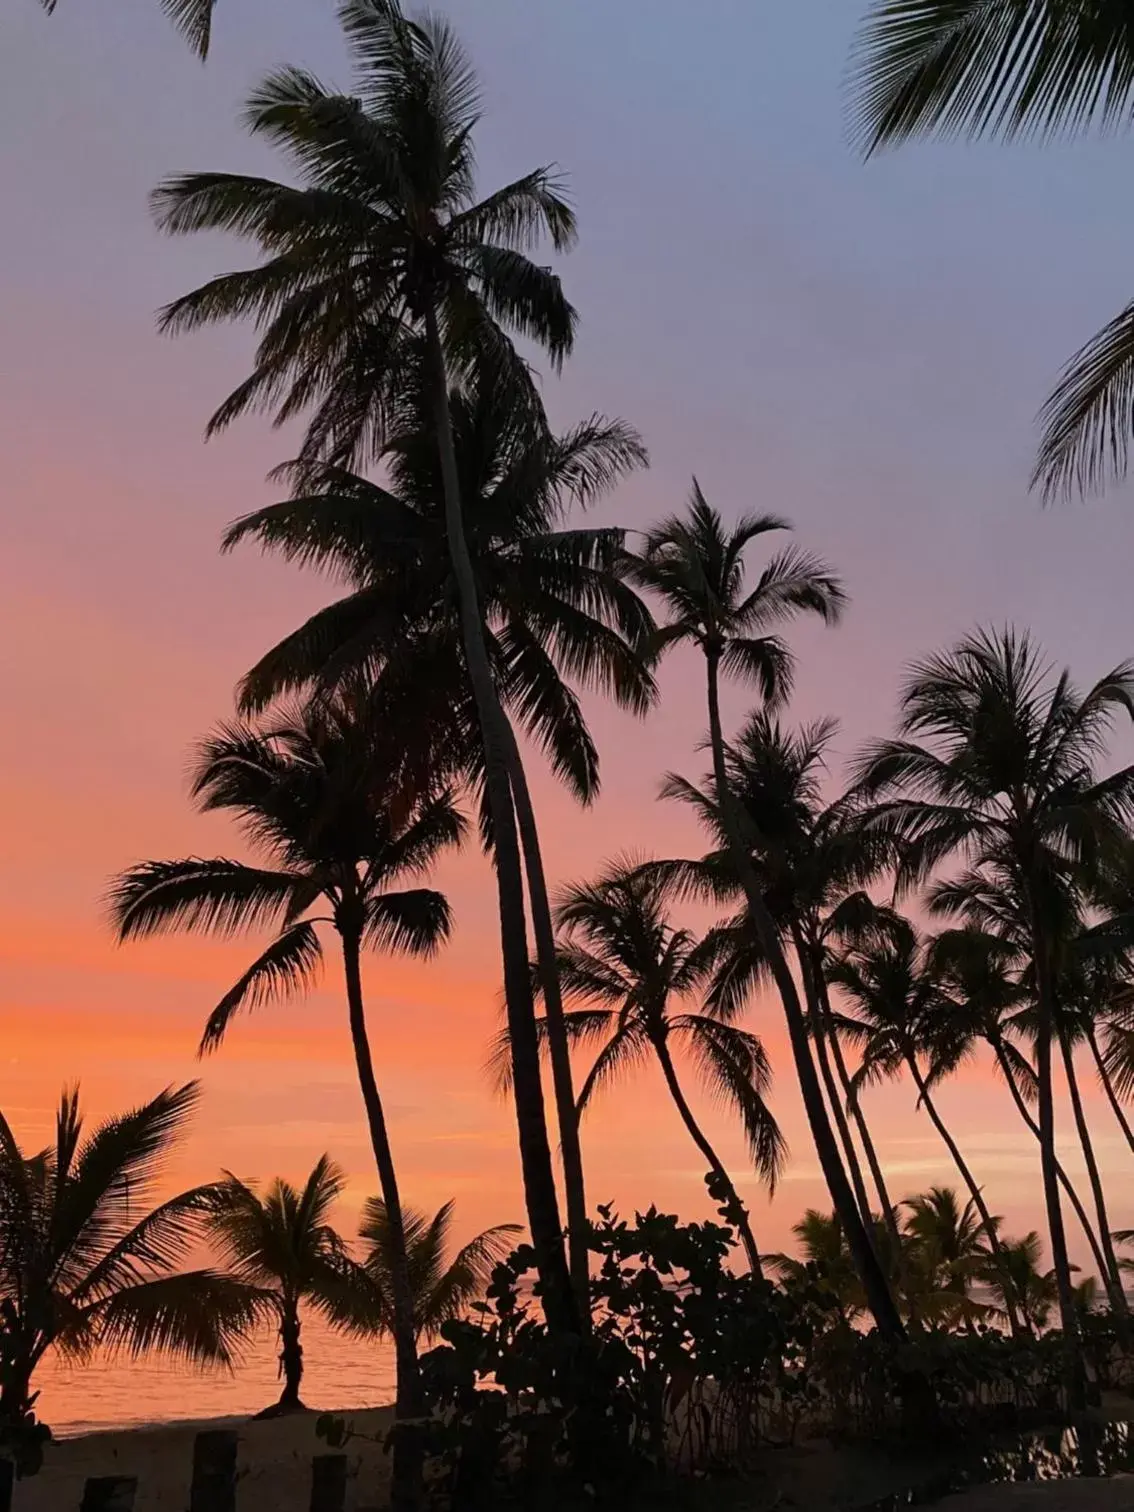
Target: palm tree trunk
1108,1088
291,1355
1064,1180
1111,1276
855,1106
558,1049
1061,1263
878,1295
716,1165
970,1181
819,1039
535,1153
409,1405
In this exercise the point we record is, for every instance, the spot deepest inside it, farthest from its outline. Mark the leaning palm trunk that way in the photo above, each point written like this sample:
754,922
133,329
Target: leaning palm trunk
878,1295
1061,1175
808,969
558,1049
1010,1301
535,1153
1108,1088
409,1403
716,1165
1111,1276
1060,1260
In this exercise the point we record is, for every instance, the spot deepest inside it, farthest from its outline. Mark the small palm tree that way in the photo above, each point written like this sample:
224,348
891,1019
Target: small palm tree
443,1287
338,835
382,272
949,1245
823,1251
620,953
281,1242
695,567
87,1263
1016,1273
929,68
996,764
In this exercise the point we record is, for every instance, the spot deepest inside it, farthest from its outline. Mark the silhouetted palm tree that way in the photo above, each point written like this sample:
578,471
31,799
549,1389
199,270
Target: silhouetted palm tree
1017,1271
557,612
996,763
443,1287
383,259
1004,68
950,1249
696,568
340,839
282,1242
825,1256
621,954
87,1263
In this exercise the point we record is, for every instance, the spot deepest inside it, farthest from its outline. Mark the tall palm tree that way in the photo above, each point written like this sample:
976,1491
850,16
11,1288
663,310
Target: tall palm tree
443,1285
281,1241
621,954
340,840
557,609
695,567
86,1262
1012,69
898,1015
380,271
814,860
996,762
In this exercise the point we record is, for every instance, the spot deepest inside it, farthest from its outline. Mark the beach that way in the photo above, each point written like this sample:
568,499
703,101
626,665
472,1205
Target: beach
273,1465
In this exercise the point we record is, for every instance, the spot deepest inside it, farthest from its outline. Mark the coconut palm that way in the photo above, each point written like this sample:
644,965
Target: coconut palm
341,840
695,567
557,612
87,1262
443,1285
943,68
281,1241
996,764
824,1254
950,1249
898,1015
380,271
1017,1273
814,859
620,954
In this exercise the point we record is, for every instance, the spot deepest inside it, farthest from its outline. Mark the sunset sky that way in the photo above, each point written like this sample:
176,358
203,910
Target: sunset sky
860,347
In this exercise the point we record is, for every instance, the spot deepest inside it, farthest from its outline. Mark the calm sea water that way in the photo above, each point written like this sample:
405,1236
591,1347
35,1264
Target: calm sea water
121,1393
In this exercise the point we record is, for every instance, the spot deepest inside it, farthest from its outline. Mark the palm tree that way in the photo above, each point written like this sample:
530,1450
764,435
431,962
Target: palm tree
824,1250
337,835
814,859
557,610
87,1263
696,568
443,1287
620,954
281,1242
944,68
951,1248
1017,1273
898,1014
382,271
996,763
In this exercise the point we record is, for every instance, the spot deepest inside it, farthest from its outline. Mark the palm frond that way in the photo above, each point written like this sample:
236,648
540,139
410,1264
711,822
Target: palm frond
1089,418
214,896
290,965
199,1317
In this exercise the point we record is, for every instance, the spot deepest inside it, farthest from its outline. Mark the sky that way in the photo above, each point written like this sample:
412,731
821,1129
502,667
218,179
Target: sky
860,347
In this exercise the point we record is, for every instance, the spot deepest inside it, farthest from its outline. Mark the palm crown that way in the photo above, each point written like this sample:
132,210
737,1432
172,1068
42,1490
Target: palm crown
382,234
443,1285
336,834
556,605
86,1262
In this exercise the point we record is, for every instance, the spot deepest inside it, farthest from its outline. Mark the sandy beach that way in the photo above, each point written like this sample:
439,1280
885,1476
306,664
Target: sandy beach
274,1465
